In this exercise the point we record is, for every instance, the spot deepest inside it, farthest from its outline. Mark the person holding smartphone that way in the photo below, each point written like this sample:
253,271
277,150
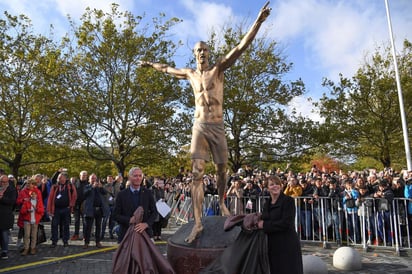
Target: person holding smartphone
95,208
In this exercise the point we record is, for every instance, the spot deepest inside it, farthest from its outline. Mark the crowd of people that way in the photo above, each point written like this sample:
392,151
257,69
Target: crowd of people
88,202
358,200
353,205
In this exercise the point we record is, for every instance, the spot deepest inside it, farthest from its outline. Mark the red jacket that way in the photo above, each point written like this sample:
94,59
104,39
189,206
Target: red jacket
52,196
26,214
24,195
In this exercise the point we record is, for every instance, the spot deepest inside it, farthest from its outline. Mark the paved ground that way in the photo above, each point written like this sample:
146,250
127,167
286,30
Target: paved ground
74,259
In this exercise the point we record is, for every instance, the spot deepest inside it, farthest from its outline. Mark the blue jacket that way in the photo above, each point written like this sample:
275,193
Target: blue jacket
408,194
354,195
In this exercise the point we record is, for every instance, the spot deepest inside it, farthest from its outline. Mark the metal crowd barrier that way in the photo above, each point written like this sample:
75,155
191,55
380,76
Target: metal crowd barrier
372,222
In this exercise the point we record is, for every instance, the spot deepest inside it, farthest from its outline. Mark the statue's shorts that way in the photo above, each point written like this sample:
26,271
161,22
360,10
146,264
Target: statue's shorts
209,137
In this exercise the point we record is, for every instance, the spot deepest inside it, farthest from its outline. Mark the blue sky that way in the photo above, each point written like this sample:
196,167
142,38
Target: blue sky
321,37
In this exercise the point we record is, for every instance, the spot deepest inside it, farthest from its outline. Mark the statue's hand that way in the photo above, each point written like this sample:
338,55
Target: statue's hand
264,12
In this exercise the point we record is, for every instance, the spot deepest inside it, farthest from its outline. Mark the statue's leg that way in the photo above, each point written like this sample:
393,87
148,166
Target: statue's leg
198,167
221,187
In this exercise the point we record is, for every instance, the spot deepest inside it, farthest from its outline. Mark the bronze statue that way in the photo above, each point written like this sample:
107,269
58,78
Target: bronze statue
208,130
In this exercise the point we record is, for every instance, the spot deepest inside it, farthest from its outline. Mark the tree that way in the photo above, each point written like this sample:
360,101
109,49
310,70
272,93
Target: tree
362,115
120,112
27,120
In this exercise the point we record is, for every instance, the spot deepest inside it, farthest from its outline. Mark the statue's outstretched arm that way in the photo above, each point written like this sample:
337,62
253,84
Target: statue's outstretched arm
230,58
178,73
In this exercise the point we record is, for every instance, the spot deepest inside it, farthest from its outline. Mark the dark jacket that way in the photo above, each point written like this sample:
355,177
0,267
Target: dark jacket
89,195
124,209
80,185
6,208
285,255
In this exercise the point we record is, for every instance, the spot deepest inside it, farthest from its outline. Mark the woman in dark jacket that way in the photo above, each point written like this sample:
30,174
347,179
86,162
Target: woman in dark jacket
278,222
8,196
267,243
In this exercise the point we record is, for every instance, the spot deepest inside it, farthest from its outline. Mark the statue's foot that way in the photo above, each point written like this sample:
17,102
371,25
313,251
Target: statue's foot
194,234
224,210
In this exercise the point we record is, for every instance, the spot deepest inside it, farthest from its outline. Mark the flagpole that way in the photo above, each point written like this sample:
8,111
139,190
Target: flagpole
400,97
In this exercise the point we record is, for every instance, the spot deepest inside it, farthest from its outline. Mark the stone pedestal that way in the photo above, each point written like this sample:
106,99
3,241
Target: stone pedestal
191,258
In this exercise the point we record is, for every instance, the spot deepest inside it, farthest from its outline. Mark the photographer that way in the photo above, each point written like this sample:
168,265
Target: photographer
234,197
350,197
95,208
365,213
384,197
293,189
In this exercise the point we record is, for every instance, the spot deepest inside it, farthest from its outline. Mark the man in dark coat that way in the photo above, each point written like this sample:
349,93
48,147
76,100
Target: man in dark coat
137,253
95,208
78,210
129,199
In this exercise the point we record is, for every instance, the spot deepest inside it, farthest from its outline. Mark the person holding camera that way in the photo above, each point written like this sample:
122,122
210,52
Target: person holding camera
384,197
234,196
95,208
293,189
350,195
112,189
366,213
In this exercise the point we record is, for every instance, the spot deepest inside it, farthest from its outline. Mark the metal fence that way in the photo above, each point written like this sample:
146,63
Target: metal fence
371,222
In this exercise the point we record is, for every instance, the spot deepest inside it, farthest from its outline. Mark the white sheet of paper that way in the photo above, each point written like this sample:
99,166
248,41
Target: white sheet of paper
162,208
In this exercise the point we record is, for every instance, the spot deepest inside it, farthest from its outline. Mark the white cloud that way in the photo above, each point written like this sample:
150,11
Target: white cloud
203,18
337,34
76,8
44,13
303,108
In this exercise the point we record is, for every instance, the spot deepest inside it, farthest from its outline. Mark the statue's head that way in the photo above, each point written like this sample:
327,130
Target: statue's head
201,52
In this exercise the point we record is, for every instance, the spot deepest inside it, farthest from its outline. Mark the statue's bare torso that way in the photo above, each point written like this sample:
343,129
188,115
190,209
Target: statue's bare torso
208,132
208,91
